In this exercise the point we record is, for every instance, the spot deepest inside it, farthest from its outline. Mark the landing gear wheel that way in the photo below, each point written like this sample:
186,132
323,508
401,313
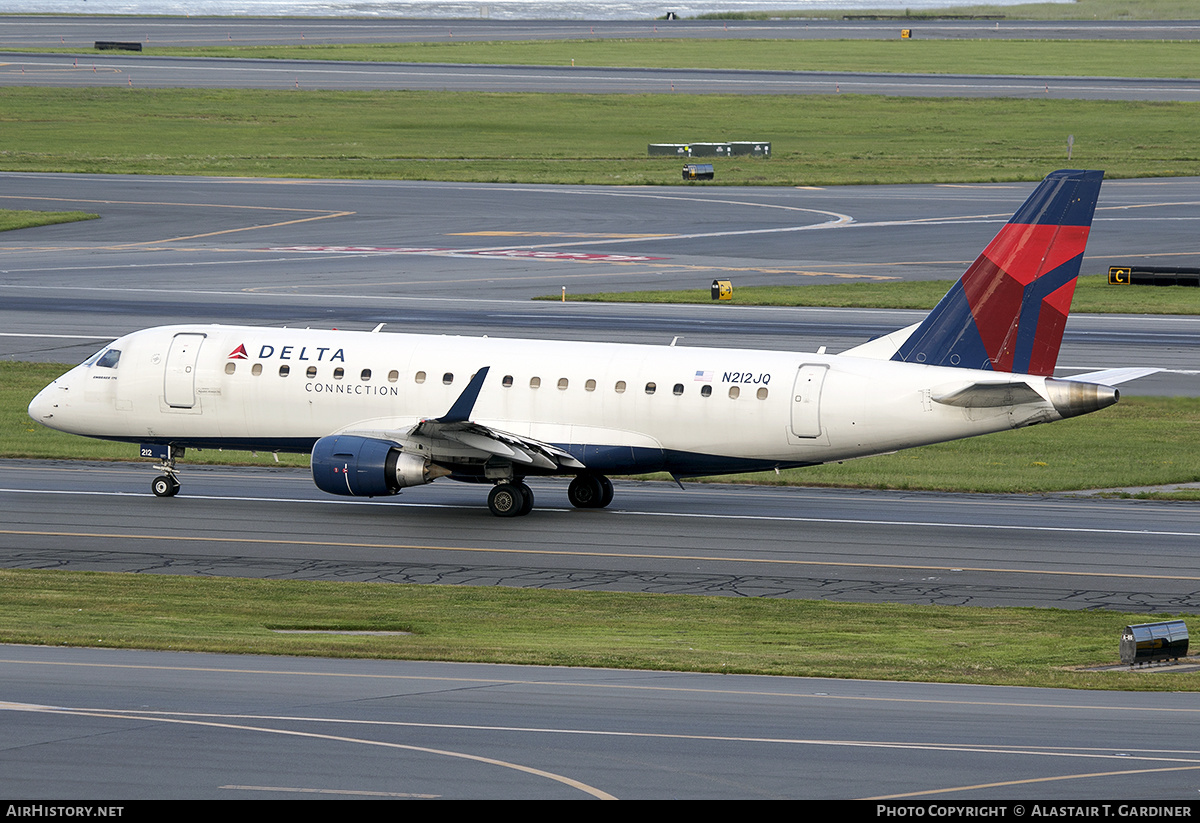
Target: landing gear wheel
508,500
606,495
527,493
590,491
165,486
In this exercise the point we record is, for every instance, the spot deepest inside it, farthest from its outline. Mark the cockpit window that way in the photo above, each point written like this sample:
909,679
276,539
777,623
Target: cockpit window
91,361
108,358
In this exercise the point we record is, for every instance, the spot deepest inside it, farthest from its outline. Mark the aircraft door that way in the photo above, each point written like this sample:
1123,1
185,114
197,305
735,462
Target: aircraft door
179,378
806,400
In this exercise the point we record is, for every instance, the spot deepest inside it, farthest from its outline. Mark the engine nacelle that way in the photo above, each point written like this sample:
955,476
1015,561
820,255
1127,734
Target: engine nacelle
365,467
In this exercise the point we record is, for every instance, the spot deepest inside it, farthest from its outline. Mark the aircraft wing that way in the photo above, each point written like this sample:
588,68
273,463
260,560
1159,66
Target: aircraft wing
446,439
454,439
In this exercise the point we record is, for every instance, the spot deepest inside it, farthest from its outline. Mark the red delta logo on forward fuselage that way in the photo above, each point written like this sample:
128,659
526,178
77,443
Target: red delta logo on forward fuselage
267,351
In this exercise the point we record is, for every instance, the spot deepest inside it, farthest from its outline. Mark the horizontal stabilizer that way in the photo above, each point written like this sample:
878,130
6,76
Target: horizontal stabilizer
1114,377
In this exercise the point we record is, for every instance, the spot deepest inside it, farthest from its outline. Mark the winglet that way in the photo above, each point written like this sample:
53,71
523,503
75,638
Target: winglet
460,412
1008,311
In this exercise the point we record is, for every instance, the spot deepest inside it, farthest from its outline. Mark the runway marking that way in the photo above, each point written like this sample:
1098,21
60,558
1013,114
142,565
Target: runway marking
523,253
1192,759
340,792
956,568
56,336
553,76
318,214
574,234
652,268
275,225
150,718
161,203
652,686
1033,780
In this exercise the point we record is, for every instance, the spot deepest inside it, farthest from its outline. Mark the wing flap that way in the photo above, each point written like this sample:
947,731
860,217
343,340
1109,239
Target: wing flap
455,440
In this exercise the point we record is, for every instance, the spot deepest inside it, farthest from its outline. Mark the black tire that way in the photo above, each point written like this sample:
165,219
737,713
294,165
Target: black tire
527,492
606,494
585,492
164,486
506,500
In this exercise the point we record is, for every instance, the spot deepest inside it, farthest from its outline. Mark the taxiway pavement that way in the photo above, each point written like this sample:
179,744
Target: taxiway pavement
745,541
103,724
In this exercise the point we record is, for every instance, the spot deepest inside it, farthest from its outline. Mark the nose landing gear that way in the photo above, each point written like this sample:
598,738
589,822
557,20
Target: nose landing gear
167,483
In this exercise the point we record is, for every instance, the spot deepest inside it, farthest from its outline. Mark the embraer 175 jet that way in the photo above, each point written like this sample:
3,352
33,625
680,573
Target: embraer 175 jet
505,410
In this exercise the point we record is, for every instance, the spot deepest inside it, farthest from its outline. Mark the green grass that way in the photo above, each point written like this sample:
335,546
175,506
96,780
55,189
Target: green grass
1139,442
1077,10
1128,58
1031,647
1093,295
1182,495
566,138
11,219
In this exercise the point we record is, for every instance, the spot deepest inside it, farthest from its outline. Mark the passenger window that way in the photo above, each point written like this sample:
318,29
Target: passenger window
562,384
393,376
678,390
651,388
620,387
706,391
535,382
339,373
447,378
230,367
285,370
762,393
365,376
312,371
734,391
589,385
256,369
419,377
507,381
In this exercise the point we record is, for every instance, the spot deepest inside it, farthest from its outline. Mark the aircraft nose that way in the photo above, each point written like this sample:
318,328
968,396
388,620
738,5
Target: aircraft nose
44,405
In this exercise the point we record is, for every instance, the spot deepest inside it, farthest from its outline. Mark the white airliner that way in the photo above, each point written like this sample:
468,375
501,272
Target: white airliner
380,412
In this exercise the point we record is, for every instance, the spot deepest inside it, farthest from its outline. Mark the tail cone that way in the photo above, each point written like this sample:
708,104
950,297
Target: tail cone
1072,398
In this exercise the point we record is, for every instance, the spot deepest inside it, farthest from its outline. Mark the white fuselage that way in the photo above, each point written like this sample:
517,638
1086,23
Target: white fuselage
617,407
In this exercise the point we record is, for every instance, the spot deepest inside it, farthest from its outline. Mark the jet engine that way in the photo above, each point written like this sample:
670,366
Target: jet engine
367,467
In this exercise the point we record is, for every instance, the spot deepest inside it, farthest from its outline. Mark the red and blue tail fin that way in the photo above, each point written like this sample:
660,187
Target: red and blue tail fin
1008,310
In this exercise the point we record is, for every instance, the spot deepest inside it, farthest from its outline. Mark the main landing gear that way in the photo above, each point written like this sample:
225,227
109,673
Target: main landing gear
590,491
510,499
514,499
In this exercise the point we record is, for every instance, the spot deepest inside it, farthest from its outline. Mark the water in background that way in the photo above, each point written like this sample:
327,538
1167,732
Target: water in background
493,9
